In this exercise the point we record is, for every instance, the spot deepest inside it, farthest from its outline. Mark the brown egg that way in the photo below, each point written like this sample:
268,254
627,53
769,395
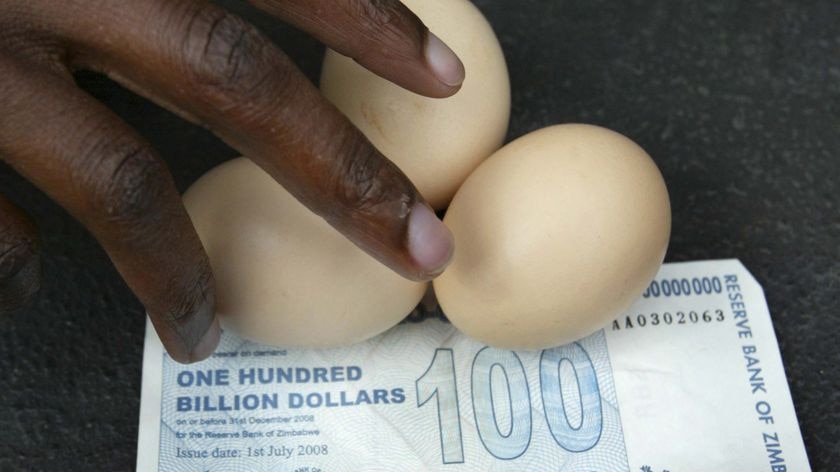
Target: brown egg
283,275
436,142
556,234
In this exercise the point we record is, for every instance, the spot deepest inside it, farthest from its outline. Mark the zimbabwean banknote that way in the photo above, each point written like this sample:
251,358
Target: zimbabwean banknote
687,379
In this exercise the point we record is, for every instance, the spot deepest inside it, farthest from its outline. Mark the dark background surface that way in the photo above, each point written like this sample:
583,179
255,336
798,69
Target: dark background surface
738,103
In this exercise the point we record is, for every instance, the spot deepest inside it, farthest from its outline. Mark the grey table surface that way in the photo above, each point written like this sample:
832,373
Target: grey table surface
738,103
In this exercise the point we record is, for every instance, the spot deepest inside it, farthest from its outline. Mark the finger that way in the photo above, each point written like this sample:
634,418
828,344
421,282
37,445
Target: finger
382,35
109,178
20,264
221,71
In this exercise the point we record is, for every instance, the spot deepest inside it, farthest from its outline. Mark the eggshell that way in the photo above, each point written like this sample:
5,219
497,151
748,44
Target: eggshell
436,142
283,275
556,234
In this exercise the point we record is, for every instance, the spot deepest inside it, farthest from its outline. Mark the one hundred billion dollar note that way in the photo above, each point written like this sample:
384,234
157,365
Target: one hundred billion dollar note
687,379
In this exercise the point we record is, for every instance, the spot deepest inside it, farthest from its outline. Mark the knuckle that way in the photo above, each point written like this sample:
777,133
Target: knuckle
16,251
29,47
378,13
190,297
20,268
225,55
26,33
128,183
13,26
360,181
389,22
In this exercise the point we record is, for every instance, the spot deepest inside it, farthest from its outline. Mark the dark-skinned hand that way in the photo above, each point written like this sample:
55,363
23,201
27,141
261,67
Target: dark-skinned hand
214,69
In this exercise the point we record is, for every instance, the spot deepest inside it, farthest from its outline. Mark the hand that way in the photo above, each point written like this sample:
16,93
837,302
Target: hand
216,70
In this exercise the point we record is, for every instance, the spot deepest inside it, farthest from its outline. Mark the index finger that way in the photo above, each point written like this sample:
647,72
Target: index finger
211,65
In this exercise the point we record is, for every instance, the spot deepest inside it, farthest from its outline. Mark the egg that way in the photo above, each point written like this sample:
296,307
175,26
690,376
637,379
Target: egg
436,142
556,234
283,275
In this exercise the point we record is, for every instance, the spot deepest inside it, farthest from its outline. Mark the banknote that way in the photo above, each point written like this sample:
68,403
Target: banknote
689,378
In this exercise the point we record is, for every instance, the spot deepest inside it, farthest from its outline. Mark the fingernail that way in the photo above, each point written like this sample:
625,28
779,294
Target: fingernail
208,343
444,63
430,242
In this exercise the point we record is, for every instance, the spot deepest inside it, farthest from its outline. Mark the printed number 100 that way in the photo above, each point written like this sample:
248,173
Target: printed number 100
439,382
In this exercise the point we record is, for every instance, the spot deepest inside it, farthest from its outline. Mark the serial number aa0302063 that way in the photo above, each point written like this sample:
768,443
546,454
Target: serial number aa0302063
667,318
